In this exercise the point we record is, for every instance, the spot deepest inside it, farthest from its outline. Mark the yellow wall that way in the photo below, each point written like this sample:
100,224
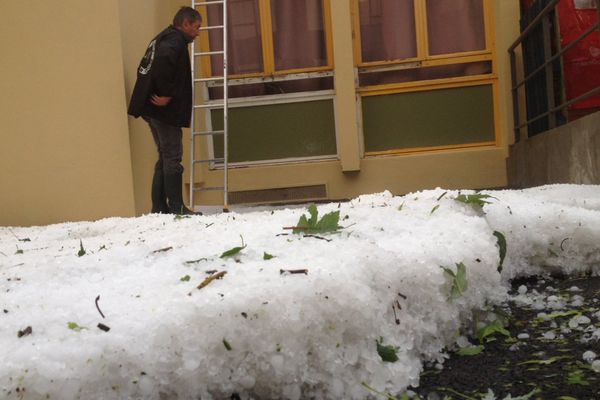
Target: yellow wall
140,21
65,148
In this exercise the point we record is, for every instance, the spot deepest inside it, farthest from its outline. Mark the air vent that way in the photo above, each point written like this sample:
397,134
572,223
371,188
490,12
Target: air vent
279,195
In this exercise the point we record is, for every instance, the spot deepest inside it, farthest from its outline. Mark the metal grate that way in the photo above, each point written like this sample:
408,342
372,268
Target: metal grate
279,195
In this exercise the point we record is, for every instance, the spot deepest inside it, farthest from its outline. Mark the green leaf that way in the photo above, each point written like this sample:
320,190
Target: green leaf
561,314
492,329
73,326
302,225
81,251
544,362
470,351
267,256
387,353
577,378
226,344
314,213
328,223
235,250
19,251
501,240
384,394
459,280
434,209
474,199
185,278
232,252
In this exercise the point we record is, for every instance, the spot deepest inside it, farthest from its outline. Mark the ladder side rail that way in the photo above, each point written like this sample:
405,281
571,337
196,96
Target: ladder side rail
225,110
192,123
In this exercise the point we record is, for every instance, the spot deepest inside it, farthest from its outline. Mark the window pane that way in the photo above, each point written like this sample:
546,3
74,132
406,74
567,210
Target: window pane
443,117
455,26
245,44
387,29
298,34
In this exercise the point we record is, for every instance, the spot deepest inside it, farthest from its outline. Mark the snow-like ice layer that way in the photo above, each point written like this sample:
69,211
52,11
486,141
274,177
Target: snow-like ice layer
257,332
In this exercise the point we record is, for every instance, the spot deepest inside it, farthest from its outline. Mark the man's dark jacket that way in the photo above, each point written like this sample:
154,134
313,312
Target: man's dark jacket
165,71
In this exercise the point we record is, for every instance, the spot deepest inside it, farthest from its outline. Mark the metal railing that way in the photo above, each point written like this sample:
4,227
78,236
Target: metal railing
546,19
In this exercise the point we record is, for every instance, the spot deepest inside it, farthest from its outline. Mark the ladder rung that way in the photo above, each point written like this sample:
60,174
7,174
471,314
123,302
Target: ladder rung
209,133
208,28
209,188
214,105
208,160
208,3
214,78
209,53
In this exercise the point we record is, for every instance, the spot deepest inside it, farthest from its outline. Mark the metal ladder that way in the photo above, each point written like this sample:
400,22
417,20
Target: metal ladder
210,105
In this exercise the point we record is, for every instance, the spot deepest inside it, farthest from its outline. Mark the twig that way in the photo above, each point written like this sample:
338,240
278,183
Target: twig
211,278
98,307
318,237
25,332
19,239
163,250
395,316
300,228
293,271
454,392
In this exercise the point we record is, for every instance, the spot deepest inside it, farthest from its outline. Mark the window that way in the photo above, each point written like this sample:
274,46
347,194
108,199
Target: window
424,74
418,40
271,42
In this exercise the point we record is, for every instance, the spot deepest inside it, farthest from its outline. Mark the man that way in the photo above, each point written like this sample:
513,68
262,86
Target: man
162,96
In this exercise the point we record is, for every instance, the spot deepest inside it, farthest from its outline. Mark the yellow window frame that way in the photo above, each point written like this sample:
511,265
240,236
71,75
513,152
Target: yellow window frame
268,52
423,58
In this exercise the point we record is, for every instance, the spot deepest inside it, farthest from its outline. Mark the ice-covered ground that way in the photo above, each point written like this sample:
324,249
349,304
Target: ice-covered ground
260,330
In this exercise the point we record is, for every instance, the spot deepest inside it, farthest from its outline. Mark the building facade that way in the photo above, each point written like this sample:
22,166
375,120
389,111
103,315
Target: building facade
330,99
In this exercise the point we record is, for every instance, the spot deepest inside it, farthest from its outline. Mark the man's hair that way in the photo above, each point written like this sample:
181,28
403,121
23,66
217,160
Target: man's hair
186,13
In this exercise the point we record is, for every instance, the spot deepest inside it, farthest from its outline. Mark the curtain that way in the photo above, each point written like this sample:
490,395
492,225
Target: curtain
298,34
388,33
298,42
455,26
387,29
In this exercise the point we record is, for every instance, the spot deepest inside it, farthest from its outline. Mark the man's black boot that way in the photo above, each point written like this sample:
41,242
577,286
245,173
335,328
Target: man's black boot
174,197
159,198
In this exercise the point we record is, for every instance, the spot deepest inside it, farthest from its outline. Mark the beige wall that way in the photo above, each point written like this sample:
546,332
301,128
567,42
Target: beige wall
507,15
140,21
65,148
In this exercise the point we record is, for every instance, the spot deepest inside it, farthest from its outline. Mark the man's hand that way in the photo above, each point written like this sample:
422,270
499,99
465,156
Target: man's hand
160,101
